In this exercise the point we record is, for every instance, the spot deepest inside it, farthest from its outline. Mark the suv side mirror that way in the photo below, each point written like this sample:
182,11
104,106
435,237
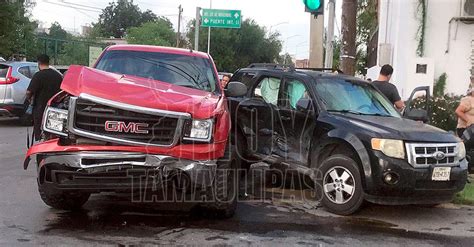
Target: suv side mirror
235,89
303,104
417,115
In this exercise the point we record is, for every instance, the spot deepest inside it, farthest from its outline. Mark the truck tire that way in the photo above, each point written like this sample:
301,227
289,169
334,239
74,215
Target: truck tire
62,200
221,197
341,185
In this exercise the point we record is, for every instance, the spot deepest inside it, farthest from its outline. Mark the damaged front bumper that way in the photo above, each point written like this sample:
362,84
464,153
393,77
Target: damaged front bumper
121,171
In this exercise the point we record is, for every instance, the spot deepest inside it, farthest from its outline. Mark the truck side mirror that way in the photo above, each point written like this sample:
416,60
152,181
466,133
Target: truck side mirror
417,115
235,89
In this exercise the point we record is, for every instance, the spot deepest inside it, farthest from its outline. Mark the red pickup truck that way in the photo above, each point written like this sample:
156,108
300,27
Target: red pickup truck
143,118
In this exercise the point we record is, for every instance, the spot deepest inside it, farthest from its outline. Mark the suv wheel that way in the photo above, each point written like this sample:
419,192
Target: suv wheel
222,195
61,199
341,185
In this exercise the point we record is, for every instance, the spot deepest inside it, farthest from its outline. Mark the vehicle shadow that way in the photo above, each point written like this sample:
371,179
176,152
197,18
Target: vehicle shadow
10,122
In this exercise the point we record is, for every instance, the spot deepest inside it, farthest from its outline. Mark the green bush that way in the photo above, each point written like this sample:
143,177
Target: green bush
442,110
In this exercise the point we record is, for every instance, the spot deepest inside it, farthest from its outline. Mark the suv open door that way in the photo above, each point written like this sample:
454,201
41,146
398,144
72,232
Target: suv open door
415,112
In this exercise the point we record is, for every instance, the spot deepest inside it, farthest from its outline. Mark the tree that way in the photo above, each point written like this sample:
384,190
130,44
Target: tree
120,16
366,27
237,48
159,32
285,59
16,29
348,58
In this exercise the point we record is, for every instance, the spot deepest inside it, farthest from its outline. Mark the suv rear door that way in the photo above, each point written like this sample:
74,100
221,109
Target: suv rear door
256,114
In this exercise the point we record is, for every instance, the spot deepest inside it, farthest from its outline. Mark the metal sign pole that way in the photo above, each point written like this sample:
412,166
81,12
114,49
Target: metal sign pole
209,32
196,28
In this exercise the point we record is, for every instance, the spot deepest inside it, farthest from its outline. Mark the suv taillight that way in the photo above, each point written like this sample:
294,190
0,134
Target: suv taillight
9,79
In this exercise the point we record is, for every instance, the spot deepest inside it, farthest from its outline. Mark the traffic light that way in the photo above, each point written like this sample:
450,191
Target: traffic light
315,7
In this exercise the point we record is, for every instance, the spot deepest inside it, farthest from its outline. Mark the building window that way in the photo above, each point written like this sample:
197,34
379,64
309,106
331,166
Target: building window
421,68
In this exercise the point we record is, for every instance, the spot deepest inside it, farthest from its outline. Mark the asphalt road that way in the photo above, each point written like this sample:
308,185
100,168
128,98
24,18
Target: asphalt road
108,219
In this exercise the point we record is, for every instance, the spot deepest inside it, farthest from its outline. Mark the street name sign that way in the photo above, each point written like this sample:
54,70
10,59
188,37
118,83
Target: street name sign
222,18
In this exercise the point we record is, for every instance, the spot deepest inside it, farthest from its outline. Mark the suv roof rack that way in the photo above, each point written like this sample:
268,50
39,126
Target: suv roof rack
272,66
324,69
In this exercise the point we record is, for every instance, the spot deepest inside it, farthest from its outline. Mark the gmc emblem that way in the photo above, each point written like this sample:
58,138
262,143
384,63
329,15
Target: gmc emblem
119,126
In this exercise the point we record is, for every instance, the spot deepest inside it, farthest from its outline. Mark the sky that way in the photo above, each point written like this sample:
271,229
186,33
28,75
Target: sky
285,16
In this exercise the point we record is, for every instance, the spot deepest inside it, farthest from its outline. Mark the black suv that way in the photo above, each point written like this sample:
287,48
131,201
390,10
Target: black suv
343,132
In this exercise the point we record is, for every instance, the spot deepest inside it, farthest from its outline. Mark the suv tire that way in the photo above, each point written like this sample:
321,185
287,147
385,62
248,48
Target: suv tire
222,195
61,199
341,185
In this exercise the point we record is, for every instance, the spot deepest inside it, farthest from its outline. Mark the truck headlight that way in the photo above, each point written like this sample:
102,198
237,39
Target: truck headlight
461,154
199,130
391,148
55,121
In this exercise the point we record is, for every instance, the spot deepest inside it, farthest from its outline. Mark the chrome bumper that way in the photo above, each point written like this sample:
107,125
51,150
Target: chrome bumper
90,165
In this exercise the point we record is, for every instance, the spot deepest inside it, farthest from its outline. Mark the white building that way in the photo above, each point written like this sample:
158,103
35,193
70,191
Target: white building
448,43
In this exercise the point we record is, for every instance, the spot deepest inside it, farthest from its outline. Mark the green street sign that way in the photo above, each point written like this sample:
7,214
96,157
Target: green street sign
222,18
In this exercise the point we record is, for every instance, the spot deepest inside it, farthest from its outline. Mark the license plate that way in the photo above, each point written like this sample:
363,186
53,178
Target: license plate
441,173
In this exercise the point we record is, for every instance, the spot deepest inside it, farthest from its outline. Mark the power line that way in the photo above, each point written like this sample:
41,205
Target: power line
72,7
80,5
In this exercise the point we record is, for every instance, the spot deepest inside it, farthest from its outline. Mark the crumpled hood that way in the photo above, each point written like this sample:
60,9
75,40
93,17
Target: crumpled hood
398,128
140,91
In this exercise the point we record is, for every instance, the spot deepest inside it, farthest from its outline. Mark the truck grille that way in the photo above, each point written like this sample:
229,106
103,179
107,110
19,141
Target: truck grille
90,120
424,154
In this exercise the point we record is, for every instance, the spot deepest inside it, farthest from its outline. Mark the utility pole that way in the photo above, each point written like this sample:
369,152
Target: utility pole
178,35
209,32
330,38
348,56
316,50
197,23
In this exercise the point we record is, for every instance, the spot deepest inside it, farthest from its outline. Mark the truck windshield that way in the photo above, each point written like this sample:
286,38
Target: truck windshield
181,70
360,98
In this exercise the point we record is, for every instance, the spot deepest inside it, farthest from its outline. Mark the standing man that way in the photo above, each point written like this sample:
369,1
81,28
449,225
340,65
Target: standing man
44,85
388,89
225,80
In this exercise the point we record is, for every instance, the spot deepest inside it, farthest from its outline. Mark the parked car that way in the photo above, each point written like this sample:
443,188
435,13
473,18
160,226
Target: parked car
15,78
153,110
346,136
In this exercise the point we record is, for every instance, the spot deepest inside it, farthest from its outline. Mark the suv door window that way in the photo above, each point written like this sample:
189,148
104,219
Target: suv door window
33,70
25,71
245,77
293,92
268,89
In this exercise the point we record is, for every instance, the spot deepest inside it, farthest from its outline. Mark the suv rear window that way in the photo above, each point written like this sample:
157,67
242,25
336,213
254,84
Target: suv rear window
181,70
3,70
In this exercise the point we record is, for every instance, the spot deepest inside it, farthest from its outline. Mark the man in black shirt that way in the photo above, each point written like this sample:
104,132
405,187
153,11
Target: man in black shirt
388,89
44,85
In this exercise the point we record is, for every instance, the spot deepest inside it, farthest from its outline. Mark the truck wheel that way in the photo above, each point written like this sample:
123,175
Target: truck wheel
221,197
341,185
62,200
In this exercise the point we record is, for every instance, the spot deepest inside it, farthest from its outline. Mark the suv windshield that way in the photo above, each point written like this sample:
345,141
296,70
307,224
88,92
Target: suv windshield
340,95
181,70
